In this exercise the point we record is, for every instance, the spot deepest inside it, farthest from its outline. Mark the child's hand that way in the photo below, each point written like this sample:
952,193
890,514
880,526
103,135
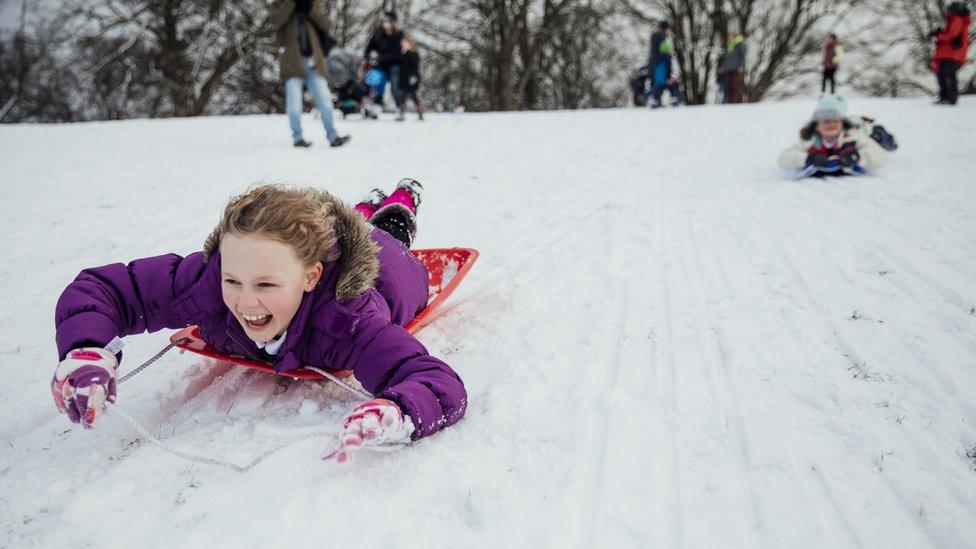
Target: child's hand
848,155
83,382
817,159
378,422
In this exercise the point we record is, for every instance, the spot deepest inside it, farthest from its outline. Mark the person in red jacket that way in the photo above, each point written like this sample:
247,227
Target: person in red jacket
951,44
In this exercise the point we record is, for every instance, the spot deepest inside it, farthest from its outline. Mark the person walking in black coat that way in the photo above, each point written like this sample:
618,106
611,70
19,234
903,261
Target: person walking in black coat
410,77
386,43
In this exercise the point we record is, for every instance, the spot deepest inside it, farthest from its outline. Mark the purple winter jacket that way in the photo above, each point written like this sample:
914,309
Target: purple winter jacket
363,333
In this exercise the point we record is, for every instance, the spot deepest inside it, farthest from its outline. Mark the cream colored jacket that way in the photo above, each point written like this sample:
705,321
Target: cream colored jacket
872,155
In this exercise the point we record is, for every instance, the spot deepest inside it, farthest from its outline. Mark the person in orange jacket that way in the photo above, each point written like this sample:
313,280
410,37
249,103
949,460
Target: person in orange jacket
951,45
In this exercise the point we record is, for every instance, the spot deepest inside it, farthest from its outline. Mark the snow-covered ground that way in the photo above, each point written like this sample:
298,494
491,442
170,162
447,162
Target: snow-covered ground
666,342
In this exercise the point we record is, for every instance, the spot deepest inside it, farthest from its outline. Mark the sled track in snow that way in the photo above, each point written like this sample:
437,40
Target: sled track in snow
590,481
961,407
712,350
831,332
668,472
908,504
816,490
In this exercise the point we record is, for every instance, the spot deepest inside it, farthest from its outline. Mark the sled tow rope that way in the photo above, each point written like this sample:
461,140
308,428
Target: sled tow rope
361,394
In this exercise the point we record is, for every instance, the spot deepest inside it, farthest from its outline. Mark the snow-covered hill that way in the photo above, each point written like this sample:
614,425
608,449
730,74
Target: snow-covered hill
666,342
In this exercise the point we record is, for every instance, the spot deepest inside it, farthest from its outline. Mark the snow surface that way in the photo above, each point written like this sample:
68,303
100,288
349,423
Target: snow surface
666,342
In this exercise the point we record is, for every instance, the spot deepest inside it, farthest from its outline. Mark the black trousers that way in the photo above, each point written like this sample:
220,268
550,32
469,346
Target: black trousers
828,74
948,85
411,95
398,225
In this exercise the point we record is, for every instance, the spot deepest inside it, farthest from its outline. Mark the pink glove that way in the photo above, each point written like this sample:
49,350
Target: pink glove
83,382
378,422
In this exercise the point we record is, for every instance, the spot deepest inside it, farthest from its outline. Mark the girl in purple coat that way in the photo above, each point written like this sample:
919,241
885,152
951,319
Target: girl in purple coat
290,276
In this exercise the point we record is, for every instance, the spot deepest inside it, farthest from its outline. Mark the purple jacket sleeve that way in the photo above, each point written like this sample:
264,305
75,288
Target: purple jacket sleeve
119,300
392,364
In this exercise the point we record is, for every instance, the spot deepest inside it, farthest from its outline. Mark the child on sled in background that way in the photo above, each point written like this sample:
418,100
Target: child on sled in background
832,145
289,276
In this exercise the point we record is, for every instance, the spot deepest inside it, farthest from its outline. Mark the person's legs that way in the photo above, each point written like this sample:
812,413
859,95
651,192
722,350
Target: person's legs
727,97
323,99
368,206
398,213
677,97
402,107
952,83
940,73
736,87
823,82
658,91
395,85
293,106
415,97
398,225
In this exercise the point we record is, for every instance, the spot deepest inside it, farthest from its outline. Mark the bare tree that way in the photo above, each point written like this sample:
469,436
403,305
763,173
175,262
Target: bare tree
33,89
517,54
779,34
185,49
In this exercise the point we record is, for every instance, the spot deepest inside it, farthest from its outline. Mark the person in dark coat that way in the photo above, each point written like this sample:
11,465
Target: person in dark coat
951,44
831,62
662,48
303,44
410,77
720,78
734,67
385,42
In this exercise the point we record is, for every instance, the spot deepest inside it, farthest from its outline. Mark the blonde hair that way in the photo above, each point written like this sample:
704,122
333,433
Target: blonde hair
312,222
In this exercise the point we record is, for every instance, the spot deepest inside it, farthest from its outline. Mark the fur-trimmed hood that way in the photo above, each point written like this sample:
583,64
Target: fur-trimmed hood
359,265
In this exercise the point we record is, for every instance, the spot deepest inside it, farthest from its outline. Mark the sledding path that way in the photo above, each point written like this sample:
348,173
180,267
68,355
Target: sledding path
666,343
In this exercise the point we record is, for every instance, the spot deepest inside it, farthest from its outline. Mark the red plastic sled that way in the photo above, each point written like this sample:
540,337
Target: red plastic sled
447,268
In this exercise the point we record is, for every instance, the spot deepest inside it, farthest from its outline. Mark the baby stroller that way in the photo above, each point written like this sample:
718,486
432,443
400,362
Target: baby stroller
348,90
638,86
349,100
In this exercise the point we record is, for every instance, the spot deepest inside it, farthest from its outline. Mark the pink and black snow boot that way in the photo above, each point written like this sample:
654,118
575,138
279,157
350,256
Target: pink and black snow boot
368,206
397,214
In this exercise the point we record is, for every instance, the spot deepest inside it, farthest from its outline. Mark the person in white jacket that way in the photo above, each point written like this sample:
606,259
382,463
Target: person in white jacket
831,144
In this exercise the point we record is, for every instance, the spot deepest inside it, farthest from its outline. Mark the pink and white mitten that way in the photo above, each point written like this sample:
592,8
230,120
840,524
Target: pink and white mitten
83,382
378,422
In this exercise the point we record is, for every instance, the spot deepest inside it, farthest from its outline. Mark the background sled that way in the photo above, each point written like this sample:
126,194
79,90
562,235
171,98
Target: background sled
447,268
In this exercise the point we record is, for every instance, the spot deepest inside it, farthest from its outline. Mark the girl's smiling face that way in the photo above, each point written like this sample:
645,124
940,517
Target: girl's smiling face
263,283
830,129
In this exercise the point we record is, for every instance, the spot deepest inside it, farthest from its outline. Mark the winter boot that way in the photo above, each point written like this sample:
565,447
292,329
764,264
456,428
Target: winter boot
397,214
301,143
368,206
340,141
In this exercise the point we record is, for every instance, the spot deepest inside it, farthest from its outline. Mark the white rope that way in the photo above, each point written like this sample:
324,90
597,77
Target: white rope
220,463
263,456
266,454
349,387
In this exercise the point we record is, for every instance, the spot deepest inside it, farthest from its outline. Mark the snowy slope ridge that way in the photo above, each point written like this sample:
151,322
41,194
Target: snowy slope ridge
666,342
